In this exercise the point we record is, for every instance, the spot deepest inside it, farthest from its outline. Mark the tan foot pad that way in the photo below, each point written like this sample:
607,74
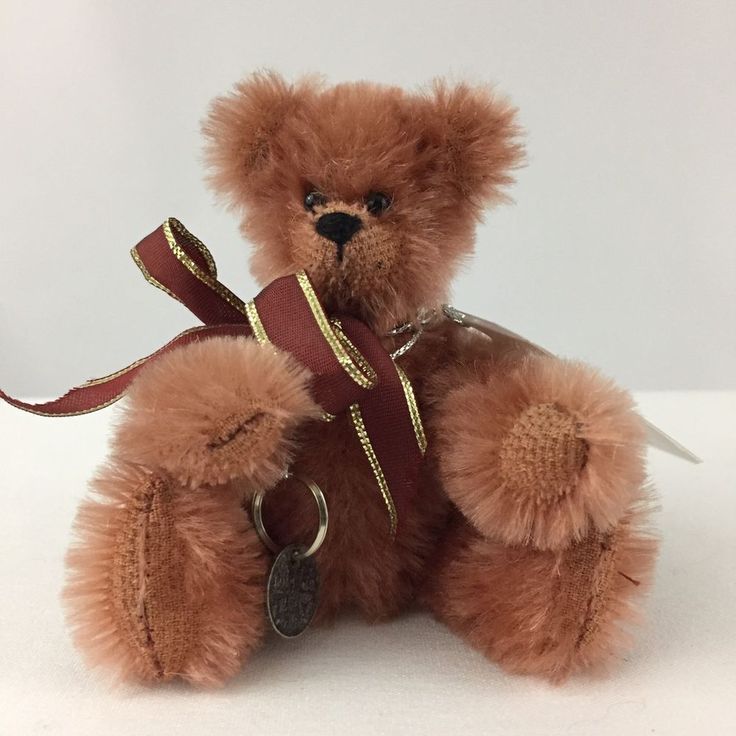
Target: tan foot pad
542,453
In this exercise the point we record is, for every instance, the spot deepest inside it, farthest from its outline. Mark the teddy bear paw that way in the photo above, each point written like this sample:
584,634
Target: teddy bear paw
217,410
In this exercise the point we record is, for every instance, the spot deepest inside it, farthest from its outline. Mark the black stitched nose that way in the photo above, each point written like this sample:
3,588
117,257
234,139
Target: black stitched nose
338,227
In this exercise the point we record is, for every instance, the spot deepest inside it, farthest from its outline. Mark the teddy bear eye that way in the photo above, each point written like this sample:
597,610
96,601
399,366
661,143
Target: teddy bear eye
314,199
377,202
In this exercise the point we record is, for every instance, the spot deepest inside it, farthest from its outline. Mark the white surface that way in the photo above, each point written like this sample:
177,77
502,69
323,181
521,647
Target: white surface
624,217
410,676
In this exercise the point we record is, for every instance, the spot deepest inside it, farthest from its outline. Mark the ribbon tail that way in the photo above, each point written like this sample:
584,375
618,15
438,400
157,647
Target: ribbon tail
388,424
101,392
73,403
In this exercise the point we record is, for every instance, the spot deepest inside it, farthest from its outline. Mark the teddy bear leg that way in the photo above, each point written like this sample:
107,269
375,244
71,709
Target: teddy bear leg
546,613
541,453
165,581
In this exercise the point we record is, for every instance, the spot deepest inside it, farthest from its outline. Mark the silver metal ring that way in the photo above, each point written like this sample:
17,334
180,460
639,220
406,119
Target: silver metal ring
319,497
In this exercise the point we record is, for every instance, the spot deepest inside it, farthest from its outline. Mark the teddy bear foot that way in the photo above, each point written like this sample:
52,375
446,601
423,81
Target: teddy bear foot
546,613
541,454
164,581
214,411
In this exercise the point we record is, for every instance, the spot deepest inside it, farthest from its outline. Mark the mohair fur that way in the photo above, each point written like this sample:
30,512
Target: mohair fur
526,534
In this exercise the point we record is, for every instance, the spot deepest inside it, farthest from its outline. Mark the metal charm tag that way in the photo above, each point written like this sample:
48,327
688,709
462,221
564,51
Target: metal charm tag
292,591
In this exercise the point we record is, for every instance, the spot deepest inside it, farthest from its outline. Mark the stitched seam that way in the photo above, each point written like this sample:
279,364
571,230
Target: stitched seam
142,613
597,597
257,420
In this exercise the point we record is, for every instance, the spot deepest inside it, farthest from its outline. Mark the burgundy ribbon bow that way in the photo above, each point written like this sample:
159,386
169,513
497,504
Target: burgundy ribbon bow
351,370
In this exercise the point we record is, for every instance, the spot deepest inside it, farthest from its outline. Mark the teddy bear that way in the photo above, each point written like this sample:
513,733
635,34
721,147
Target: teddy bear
529,534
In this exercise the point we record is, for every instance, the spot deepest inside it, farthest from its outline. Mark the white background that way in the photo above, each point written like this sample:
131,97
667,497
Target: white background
621,248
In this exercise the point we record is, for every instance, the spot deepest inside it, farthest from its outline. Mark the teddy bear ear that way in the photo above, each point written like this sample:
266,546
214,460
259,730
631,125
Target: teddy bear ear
241,127
479,138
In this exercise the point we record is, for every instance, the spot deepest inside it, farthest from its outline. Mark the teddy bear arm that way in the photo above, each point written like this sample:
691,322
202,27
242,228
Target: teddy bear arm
535,449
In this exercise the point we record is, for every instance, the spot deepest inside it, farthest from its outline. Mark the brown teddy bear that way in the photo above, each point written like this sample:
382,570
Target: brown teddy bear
525,535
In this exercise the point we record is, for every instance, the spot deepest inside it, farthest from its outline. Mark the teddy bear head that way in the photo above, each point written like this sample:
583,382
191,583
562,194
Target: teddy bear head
373,191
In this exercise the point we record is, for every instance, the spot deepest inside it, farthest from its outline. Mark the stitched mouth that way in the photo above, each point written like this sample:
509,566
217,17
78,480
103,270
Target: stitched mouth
235,428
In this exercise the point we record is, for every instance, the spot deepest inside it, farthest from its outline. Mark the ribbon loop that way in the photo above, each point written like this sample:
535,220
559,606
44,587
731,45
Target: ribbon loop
178,263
